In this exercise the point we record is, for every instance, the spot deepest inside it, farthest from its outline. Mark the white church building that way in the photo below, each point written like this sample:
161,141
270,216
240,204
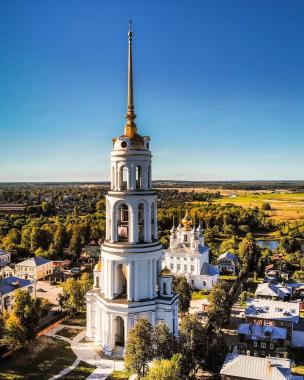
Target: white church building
189,256
129,282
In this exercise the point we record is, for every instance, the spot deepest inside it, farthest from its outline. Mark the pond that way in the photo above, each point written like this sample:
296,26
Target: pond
270,244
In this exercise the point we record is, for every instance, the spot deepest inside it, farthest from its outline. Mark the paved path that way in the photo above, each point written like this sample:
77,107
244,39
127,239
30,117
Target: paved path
87,353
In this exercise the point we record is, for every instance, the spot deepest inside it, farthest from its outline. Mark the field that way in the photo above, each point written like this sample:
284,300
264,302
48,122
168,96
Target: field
284,205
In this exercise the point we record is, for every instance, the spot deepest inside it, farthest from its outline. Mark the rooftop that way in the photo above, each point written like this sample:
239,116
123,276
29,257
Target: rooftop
257,332
251,367
272,290
227,255
3,252
34,262
9,284
266,309
209,270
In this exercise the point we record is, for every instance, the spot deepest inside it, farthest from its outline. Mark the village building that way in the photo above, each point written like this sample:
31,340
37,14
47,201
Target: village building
8,287
5,258
262,340
188,255
243,367
6,271
35,268
275,292
273,313
129,282
227,263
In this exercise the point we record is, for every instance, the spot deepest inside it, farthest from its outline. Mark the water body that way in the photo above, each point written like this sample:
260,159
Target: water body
271,244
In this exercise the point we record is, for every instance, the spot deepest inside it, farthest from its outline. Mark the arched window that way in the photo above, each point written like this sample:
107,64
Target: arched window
97,281
164,288
123,223
185,237
141,222
149,177
113,178
138,178
124,178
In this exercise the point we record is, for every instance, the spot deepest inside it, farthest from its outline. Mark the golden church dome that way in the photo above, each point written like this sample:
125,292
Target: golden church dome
187,222
98,267
165,272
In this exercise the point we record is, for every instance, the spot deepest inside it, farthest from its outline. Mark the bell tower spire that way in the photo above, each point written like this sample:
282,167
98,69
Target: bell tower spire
130,126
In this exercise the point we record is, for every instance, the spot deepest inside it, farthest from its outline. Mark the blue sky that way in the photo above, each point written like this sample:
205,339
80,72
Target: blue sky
219,87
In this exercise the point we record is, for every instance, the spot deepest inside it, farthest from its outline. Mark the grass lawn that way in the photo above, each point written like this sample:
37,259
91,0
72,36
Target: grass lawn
199,295
228,277
68,332
42,359
81,372
79,320
122,375
298,370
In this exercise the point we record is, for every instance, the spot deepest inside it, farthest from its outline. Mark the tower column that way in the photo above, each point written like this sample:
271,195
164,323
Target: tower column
135,275
129,281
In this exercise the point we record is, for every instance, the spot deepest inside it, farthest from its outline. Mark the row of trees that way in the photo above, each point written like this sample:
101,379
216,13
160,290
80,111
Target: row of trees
175,358
18,327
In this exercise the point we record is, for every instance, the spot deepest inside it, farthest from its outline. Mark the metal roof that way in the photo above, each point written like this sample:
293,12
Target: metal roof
9,284
251,367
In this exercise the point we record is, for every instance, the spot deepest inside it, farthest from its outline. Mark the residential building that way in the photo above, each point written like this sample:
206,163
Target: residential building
227,263
5,258
188,255
35,268
262,340
8,287
275,292
128,280
6,271
273,313
243,367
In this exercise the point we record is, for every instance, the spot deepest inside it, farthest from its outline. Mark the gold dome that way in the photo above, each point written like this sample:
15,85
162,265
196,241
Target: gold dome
165,272
187,222
98,267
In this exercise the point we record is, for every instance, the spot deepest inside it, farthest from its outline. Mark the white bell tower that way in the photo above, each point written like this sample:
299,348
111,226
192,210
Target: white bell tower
131,253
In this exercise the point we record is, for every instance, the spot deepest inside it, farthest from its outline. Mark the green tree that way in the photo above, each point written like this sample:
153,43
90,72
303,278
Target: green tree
75,242
165,369
192,344
139,349
182,288
220,306
60,238
14,333
165,342
216,353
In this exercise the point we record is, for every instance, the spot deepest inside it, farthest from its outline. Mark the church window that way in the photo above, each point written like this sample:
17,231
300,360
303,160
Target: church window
164,288
178,266
185,268
185,237
97,281
124,144
141,222
122,223
138,177
124,178
147,145
171,266
192,268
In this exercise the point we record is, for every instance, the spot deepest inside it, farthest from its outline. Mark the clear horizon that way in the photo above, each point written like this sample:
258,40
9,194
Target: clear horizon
218,86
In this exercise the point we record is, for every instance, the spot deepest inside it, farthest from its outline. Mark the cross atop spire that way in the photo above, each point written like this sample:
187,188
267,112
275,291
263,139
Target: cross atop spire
130,126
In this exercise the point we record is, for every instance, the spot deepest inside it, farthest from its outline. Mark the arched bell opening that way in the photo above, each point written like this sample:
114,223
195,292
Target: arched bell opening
119,332
124,174
122,223
120,281
138,177
141,223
